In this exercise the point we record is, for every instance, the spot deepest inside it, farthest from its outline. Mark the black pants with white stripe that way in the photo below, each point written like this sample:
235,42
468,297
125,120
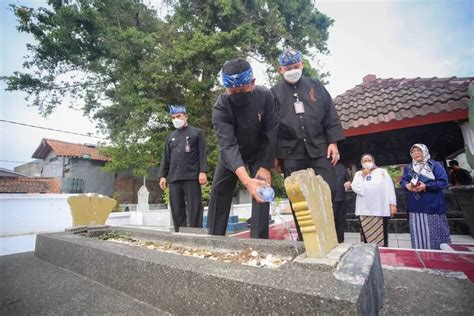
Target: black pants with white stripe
186,203
223,186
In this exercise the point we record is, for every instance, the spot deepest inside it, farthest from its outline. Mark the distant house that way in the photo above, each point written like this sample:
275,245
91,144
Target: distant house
16,182
78,167
11,174
32,168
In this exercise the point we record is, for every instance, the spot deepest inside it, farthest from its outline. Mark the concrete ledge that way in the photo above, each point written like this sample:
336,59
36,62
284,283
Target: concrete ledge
328,263
360,266
193,230
279,247
186,285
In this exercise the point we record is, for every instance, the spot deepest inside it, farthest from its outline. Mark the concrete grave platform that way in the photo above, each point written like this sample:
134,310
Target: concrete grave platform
30,286
187,285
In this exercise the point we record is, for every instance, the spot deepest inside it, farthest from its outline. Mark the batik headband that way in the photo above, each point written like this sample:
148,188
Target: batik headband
237,80
175,109
290,57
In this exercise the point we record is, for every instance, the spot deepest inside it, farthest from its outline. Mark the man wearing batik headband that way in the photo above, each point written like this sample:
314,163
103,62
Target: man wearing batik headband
183,168
309,126
246,126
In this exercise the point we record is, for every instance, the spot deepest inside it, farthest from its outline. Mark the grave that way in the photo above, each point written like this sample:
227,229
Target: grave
194,273
181,284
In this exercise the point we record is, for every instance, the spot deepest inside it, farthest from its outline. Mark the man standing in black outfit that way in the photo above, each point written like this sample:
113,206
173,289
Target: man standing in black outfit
246,126
184,168
459,176
309,126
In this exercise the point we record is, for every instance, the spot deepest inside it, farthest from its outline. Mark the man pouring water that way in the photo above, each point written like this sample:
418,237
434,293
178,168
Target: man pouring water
246,126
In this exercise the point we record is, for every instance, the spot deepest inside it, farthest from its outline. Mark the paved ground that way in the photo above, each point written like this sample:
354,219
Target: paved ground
403,240
422,293
32,287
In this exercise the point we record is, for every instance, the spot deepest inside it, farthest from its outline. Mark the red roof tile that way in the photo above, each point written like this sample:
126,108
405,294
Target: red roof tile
66,149
378,100
29,185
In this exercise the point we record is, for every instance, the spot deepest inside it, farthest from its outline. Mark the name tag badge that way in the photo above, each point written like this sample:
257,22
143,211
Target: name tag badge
187,147
414,181
299,107
369,177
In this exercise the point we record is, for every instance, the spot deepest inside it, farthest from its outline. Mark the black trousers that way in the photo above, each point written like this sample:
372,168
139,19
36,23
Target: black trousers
223,186
321,166
186,203
340,219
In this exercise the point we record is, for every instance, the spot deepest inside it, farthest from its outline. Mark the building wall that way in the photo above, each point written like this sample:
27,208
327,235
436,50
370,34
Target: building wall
126,190
8,173
96,179
53,166
31,168
127,186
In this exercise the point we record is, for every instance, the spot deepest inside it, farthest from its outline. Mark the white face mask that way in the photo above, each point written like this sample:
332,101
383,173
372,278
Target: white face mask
178,123
368,165
293,75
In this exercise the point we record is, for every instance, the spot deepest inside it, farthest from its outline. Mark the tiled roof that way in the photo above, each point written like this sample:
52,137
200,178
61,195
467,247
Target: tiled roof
29,185
378,100
66,149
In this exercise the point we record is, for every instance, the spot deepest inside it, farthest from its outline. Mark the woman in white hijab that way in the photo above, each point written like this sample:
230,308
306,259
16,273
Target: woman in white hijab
424,179
375,201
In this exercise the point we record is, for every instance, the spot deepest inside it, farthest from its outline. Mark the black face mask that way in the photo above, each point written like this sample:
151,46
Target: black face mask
240,99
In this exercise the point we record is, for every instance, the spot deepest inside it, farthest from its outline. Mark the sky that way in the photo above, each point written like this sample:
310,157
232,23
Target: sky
390,39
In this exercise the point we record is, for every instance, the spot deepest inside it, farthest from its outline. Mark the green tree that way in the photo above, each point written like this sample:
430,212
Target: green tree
122,64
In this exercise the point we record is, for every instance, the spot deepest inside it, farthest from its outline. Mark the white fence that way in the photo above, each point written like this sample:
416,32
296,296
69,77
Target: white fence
22,214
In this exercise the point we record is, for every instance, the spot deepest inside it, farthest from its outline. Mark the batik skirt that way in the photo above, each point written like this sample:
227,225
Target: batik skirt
428,231
374,229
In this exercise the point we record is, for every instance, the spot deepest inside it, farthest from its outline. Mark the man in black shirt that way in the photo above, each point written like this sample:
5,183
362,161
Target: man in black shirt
309,126
459,176
246,125
184,168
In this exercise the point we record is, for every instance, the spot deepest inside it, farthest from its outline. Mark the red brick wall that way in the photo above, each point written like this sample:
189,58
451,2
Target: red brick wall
127,191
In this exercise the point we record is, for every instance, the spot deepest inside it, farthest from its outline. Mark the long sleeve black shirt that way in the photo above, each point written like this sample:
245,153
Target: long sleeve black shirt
178,163
302,136
246,133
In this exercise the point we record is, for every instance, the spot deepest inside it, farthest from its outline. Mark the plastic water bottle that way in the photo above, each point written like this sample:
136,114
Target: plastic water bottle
266,193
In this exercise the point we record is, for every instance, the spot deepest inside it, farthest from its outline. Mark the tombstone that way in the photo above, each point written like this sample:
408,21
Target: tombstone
310,197
90,209
143,196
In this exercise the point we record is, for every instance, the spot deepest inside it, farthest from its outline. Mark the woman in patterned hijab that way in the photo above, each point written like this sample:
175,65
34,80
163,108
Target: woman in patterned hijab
424,179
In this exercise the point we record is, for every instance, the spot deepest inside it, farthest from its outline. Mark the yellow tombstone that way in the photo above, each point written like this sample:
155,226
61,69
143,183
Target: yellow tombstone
90,209
310,198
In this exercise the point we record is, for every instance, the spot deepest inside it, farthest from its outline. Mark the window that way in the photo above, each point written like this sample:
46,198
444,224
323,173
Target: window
73,185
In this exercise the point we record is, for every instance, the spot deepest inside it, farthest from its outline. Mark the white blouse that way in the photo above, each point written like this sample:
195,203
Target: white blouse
375,193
